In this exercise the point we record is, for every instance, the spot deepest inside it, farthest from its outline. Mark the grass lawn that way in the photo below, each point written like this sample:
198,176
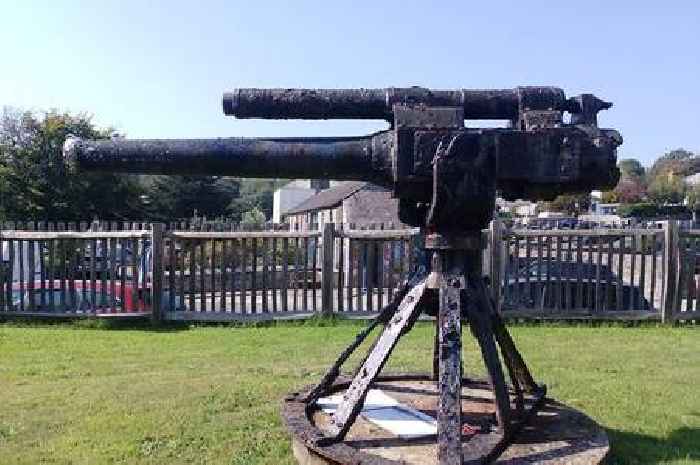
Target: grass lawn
72,394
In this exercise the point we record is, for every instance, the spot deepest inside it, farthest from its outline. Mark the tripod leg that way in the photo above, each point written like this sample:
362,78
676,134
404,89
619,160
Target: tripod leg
354,397
436,351
519,398
334,371
480,321
449,415
511,355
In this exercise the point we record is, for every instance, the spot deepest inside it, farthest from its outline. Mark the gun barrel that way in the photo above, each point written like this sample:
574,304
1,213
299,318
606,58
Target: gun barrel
335,158
378,103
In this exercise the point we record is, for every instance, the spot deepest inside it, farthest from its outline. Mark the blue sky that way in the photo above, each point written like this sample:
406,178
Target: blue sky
158,69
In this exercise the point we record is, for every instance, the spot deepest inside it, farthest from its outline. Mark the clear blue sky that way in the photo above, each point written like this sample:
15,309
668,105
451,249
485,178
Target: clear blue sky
158,69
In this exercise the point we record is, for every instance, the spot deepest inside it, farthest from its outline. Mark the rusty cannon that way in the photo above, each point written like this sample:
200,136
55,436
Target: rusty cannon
446,176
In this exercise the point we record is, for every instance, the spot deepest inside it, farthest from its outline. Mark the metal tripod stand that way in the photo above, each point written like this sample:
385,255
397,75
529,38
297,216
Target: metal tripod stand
454,274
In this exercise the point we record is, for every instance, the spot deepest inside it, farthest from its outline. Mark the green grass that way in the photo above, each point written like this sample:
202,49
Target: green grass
75,394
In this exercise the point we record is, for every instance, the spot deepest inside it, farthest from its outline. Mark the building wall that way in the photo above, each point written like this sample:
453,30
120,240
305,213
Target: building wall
526,210
604,208
330,215
371,205
316,218
296,222
289,196
517,207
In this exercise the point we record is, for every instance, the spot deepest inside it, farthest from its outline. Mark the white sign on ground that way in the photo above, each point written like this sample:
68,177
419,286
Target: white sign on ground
389,414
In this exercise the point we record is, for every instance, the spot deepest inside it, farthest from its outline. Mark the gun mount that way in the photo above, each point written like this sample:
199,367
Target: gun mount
445,176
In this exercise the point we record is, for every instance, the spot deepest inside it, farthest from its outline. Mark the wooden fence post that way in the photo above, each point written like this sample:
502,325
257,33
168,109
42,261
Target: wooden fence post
670,282
327,241
157,272
495,260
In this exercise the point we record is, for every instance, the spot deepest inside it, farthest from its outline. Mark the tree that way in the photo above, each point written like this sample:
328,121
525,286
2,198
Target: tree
4,191
665,177
179,197
630,189
574,204
678,161
609,197
668,189
37,185
254,217
631,167
254,194
693,197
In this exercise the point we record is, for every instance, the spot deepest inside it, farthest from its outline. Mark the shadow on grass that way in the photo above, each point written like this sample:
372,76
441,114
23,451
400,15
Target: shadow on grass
635,448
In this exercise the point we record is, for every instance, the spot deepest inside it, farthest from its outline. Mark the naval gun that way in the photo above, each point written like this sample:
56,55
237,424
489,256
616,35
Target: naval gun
446,176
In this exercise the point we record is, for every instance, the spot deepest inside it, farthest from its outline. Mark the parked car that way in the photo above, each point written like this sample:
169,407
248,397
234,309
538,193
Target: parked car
552,223
584,225
83,301
572,282
99,260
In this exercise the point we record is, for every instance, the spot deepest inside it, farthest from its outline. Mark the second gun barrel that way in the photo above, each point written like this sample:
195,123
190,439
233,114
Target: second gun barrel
378,103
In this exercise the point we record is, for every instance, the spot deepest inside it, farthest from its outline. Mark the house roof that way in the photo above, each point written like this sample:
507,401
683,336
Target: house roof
327,198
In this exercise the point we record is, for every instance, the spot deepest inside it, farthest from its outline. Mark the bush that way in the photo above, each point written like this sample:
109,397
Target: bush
650,210
254,217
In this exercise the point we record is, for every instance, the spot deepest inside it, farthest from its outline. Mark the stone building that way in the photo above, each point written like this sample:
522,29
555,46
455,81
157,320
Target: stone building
346,202
294,193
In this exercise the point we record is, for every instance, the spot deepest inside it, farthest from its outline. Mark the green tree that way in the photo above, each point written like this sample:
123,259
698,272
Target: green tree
254,217
36,183
678,161
179,197
693,197
667,189
631,187
631,167
254,193
4,190
610,197
573,204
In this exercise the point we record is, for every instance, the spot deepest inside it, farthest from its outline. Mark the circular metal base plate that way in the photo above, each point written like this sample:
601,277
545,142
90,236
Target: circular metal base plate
557,434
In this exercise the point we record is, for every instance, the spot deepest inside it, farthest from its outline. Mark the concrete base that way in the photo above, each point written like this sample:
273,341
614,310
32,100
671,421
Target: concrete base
556,435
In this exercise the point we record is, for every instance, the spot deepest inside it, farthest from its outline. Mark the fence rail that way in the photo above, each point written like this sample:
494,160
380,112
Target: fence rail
686,297
195,224
59,273
608,273
219,273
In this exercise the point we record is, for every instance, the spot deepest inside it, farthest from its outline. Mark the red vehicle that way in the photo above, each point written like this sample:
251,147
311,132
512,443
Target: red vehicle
75,298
